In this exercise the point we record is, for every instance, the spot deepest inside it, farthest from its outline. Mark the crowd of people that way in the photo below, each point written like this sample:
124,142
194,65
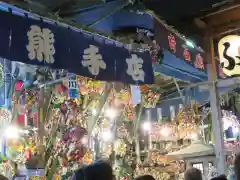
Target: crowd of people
101,170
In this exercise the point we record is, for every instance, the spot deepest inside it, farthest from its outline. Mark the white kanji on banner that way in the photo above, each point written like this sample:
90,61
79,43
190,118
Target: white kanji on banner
41,44
93,60
135,68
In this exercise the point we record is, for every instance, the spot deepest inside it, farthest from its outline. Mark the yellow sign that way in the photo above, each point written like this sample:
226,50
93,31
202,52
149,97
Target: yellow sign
229,55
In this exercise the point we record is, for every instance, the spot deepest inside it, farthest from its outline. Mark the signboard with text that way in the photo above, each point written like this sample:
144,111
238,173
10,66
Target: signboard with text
229,55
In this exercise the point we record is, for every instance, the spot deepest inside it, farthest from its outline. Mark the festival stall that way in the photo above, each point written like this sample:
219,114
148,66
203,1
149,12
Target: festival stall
55,114
68,118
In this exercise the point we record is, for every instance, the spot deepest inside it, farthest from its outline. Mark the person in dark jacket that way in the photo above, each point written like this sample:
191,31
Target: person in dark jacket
79,174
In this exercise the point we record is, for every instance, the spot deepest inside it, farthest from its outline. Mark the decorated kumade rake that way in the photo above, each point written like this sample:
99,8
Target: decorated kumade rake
153,171
164,132
69,152
122,100
150,95
89,86
187,126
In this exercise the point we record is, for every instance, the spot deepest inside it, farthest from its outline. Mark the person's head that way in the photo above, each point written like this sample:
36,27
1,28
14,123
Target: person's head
3,177
221,177
79,174
237,166
145,177
99,170
193,174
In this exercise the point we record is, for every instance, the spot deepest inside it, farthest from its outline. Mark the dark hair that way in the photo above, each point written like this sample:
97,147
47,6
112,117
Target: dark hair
3,177
221,177
237,166
99,170
79,174
193,174
145,177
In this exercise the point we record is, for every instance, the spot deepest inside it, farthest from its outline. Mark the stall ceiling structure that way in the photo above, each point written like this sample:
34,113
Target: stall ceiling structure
190,17
183,15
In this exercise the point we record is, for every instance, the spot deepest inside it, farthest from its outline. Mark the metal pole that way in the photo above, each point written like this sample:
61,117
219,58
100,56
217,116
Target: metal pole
216,111
149,120
217,129
179,90
137,133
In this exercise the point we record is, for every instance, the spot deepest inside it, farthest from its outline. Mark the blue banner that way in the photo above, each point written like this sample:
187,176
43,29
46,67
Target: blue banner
42,43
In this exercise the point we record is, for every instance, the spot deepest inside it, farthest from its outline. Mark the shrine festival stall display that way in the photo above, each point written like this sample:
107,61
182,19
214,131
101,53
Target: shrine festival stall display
81,97
231,137
166,138
57,115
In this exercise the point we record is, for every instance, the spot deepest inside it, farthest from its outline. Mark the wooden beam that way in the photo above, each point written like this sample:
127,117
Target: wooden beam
226,28
223,17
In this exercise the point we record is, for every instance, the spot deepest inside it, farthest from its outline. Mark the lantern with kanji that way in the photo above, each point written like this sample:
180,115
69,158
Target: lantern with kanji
172,43
186,54
198,63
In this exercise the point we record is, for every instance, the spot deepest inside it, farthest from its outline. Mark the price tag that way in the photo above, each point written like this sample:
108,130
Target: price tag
20,178
37,178
72,88
73,93
72,84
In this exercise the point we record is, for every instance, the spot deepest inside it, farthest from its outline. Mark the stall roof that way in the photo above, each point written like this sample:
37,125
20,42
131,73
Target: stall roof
196,149
171,65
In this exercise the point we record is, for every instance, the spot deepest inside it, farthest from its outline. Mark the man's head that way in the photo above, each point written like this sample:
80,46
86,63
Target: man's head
237,166
145,177
98,171
193,174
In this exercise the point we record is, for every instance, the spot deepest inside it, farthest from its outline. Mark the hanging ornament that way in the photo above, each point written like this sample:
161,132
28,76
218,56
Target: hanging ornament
6,117
120,147
63,108
87,158
1,76
89,86
150,95
156,53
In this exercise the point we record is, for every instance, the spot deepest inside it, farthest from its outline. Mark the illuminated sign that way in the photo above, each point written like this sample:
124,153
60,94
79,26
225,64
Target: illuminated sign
229,55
